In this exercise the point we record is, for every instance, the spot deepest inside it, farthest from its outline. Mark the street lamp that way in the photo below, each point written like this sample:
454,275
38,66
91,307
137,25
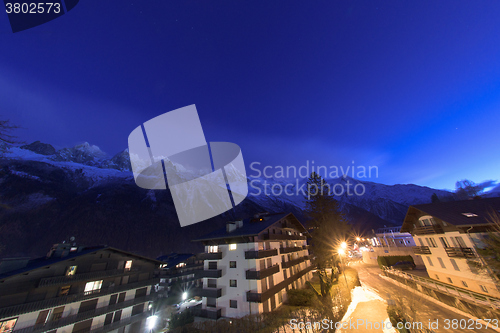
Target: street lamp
151,322
184,296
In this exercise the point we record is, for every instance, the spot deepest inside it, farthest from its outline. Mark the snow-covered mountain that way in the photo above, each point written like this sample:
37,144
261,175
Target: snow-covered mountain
81,192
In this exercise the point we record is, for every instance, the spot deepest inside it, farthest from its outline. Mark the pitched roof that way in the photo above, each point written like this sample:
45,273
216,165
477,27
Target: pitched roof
454,212
40,262
250,228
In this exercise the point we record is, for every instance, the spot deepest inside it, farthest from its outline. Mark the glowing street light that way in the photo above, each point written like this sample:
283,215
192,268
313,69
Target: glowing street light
341,252
184,296
151,322
343,245
358,239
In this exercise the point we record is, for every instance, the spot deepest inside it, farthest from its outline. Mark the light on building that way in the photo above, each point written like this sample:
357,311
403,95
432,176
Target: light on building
232,247
358,239
343,245
150,306
151,322
184,296
341,252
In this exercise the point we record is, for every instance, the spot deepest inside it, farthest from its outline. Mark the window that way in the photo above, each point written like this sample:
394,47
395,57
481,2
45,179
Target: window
469,214
233,283
233,304
449,280
64,291
92,287
421,242
212,265
465,284
213,249
211,302
7,326
454,264
128,265
441,262
232,247
444,241
430,261
232,264
483,288
460,241
431,242
71,271
212,283
437,276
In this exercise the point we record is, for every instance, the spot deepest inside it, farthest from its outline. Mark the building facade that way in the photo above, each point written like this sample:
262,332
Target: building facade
76,289
180,275
250,265
447,235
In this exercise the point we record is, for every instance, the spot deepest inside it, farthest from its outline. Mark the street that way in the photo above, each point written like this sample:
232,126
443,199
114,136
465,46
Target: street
426,310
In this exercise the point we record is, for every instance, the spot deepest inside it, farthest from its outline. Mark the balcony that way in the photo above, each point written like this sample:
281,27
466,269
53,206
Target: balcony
257,275
260,254
53,325
428,230
288,264
212,273
211,256
20,309
64,280
208,292
421,250
290,249
207,313
460,252
282,237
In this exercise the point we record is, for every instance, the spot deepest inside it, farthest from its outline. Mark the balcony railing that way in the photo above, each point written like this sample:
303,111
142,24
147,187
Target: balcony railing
208,292
121,323
52,325
260,254
212,273
253,296
428,230
211,256
460,252
207,313
16,310
81,277
290,249
421,250
288,264
257,275
281,237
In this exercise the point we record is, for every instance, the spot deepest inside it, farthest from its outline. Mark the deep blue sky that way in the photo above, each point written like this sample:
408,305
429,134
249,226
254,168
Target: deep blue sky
411,87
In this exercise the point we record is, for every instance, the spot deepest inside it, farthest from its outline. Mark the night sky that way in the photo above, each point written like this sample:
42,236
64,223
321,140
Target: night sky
410,87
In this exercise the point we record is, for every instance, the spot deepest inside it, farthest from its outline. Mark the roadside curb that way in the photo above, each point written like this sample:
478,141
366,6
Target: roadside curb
446,306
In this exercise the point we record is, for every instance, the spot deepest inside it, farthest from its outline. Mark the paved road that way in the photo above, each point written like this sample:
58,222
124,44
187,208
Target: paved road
369,277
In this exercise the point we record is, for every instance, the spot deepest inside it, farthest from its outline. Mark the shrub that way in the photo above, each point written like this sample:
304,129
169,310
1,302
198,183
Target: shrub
300,297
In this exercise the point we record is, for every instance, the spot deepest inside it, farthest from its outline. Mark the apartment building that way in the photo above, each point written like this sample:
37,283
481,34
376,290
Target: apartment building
392,237
180,275
251,264
447,235
76,289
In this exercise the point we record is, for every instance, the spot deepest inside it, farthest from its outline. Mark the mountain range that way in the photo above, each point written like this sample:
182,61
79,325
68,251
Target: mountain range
49,195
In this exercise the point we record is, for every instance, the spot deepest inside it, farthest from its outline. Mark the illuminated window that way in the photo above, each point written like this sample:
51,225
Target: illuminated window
213,249
7,326
92,287
71,271
128,265
469,214
180,265
64,291
232,247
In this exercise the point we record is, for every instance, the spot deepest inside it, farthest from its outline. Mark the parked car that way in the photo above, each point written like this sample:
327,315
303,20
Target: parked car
402,265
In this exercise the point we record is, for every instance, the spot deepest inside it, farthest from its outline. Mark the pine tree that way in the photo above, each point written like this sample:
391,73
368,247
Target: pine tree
328,228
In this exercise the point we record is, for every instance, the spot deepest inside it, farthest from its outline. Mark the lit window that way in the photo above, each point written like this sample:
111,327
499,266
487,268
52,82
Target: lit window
128,265
71,271
180,265
469,214
92,287
64,291
7,326
213,249
232,247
